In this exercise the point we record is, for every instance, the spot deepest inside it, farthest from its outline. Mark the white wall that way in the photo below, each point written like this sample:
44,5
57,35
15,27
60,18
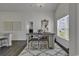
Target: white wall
73,29
61,11
25,17
77,27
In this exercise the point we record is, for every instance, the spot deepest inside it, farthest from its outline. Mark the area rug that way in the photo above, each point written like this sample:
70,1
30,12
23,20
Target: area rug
57,51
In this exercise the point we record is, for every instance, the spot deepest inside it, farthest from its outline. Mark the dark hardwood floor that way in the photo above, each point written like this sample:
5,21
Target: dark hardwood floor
14,50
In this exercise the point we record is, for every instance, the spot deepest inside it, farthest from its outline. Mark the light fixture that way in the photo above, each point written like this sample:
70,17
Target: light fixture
40,4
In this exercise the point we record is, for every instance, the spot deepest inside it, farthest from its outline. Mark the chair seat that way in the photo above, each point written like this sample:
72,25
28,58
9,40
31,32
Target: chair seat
33,39
43,38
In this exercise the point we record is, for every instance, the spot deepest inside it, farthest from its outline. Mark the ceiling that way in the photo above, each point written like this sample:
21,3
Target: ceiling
23,7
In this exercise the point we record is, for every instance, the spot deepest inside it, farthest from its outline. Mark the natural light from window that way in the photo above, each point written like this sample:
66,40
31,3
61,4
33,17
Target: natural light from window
63,27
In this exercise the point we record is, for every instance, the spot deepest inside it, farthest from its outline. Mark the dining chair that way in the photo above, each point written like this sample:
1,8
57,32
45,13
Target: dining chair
33,38
2,41
44,38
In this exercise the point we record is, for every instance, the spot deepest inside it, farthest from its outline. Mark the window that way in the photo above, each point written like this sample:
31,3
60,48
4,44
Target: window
12,26
63,27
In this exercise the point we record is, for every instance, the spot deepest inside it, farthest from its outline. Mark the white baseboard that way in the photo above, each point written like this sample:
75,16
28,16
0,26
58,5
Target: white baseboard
18,39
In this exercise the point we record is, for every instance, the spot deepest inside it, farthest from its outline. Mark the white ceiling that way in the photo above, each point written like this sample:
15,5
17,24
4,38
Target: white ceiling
23,7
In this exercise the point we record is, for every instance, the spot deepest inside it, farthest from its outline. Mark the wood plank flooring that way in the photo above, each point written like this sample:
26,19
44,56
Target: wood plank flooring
14,50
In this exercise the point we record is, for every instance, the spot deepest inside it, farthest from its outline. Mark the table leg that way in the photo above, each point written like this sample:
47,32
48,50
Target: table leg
27,37
51,42
27,44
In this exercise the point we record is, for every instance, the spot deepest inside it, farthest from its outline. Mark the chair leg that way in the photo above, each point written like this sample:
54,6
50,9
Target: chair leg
38,45
28,45
31,44
48,44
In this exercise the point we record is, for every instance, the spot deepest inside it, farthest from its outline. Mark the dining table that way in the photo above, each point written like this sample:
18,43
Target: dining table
50,35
